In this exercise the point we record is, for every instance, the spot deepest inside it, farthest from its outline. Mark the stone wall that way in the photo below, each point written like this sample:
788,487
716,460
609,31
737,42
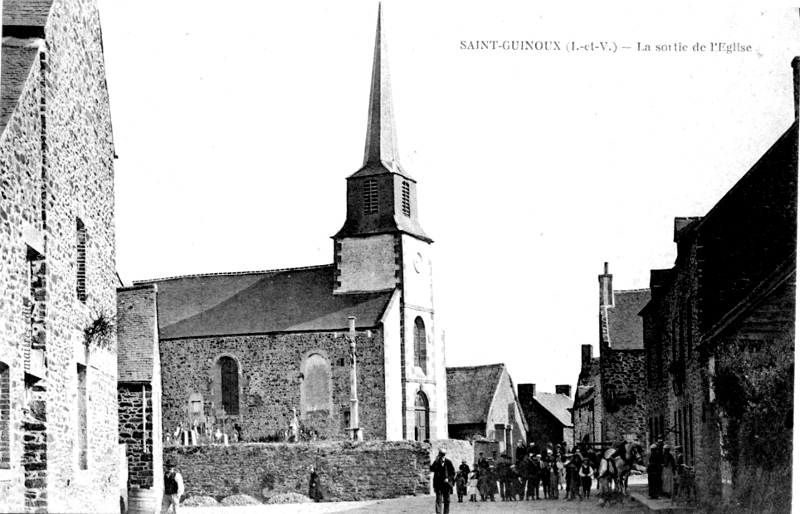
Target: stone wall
56,166
270,373
623,385
348,471
136,432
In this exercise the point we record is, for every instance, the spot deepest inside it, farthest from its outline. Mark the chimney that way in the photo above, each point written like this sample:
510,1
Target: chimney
796,80
526,393
586,356
564,389
606,293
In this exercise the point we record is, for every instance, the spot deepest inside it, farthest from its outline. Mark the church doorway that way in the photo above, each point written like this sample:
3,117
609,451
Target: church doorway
422,429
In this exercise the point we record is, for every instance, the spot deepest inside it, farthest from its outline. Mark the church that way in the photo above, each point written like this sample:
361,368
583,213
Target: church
252,353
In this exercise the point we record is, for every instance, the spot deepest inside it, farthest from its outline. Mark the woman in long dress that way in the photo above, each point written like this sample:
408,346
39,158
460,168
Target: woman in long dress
668,472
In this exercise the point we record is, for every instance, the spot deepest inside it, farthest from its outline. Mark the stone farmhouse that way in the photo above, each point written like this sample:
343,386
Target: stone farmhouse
483,406
548,415
719,336
58,373
243,352
609,401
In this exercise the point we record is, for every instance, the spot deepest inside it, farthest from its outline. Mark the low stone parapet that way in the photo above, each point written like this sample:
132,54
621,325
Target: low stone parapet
347,471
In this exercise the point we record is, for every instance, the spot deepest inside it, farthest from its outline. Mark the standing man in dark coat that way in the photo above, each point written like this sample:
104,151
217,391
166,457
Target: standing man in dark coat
520,453
654,470
443,476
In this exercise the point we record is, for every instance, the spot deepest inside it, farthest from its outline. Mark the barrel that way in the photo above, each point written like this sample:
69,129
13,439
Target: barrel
143,501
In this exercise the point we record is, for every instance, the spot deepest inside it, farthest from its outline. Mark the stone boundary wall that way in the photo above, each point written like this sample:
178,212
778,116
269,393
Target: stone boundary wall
348,471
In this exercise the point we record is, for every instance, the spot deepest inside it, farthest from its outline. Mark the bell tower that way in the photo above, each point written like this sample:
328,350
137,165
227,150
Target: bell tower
381,197
382,247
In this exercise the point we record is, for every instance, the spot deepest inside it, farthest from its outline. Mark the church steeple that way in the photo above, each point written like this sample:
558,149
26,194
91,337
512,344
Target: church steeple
381,196
381,145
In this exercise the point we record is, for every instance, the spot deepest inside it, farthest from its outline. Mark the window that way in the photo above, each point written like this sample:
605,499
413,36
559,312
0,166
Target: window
81,259
406,199
316,399
370,196
229,385
420,345
82,411
5,417
422,429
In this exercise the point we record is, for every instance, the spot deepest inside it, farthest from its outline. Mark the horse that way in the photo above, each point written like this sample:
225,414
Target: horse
617,464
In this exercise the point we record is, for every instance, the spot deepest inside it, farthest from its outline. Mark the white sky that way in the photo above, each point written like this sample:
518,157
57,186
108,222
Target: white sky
237,122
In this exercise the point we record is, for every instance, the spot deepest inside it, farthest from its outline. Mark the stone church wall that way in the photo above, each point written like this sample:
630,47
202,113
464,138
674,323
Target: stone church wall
348,471
271,371
56,162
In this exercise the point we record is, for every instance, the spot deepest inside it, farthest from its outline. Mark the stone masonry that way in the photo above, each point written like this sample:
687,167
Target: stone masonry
348,471
270,374
56,175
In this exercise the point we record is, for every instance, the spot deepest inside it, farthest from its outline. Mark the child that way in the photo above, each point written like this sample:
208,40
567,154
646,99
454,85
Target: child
555,477
472,485
461,486
545,476
586,473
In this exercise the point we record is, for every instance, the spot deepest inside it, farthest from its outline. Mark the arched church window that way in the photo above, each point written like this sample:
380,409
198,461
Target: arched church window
229,385
5,417
316,397
420,345
370,196
422,429
406,199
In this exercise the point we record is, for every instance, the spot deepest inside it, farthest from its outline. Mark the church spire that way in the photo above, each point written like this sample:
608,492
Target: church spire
381,145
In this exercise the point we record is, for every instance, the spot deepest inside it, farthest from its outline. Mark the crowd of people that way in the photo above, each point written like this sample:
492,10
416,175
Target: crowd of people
530,473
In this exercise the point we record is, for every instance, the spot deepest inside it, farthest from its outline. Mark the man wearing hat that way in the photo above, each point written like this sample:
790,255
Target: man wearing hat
443,477
173,488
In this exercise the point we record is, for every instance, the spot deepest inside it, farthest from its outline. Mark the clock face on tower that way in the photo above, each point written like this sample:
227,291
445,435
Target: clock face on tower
418,262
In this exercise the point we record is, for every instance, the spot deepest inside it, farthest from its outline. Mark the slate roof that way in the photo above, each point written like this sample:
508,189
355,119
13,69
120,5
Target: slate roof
18,57
624,324
288,300
558,405
470,391
26,13
136,333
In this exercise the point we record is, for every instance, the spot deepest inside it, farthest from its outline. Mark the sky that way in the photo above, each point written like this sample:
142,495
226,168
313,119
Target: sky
237,123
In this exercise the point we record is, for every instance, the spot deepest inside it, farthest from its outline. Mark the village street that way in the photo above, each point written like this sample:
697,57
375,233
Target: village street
424,504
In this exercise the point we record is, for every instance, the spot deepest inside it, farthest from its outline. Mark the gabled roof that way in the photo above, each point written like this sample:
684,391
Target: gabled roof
625,331
136,333
287,300
26,13
470,391
556,404
18,56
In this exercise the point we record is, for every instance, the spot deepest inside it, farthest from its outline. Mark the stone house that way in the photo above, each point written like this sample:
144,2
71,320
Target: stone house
548,415
719,337
622,373
139,385
58,371
244,351
482,405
